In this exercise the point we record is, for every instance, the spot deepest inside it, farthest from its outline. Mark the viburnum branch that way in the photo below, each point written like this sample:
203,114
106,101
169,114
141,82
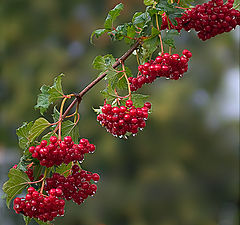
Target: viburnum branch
99,78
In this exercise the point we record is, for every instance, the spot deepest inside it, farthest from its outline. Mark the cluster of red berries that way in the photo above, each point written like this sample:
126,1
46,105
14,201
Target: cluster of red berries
120,120
77,186
165,65
36,205
58,152
210,19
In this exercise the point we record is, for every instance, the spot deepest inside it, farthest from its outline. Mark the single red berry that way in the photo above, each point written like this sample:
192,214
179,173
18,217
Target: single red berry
129,103
43,143
53,139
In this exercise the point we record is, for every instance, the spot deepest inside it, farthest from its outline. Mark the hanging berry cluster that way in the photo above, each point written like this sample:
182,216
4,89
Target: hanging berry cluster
50,168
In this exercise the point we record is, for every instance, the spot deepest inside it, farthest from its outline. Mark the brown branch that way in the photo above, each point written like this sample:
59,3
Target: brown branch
94,82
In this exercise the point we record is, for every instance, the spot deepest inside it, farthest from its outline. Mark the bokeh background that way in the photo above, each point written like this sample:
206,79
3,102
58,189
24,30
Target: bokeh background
183,169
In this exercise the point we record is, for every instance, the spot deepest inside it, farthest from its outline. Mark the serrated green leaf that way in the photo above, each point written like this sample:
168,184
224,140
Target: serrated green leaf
146,30
70,129
97,33
112,15
108,94
37,171
148,2
15,185
140,19
50,94
55,91
23,133
56,114
103,62
139,99
26,219
151,44
43,99
40,222
63,168
38,127
24,161
170,42
131,32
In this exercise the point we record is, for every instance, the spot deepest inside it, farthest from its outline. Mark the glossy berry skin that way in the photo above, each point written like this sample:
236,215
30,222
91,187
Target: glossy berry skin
120,120
210,19
166,65
42,207
58,152
77,186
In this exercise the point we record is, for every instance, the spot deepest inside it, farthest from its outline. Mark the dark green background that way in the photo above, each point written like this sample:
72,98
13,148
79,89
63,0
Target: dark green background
181,170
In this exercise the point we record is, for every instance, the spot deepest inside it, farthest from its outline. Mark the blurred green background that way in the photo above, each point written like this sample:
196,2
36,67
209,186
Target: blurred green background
183,169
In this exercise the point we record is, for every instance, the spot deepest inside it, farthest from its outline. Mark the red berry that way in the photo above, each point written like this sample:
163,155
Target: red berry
129,103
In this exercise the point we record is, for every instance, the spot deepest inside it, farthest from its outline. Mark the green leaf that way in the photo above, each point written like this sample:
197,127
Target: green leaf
56,114
70,129
38,127
23,133
50,94
103,62
139,99
40,222
97,33
26,219
130,33
25,160
15,185
55,91
148,2
151,44
43,99
62,168
112,15
170,42
109,94
140,19
37,170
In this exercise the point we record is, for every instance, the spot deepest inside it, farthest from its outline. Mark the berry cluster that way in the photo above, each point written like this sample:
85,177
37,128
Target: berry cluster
165,65
58,152
210,19
123,119
36,205
76,186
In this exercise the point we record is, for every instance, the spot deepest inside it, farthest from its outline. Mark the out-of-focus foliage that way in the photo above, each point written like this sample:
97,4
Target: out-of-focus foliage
182,169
